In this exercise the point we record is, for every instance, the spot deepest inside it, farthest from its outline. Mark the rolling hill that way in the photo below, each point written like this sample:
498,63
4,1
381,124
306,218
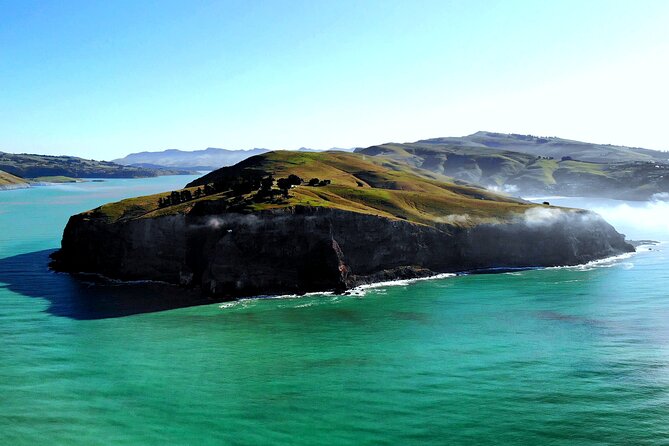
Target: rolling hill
372,186
551,167
9,181
551,147
29,166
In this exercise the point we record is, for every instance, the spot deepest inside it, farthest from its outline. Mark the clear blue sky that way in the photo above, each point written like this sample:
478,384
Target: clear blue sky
101,79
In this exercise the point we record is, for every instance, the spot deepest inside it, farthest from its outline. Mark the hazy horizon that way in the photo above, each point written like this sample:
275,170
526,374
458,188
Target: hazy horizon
247,149
102,80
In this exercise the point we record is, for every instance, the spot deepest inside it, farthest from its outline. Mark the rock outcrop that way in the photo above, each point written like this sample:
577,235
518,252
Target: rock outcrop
301,249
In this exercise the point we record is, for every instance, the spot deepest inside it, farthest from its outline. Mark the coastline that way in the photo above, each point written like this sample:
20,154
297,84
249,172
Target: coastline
361,290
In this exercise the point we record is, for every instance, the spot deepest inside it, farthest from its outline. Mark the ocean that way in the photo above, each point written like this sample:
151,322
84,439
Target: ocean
560,356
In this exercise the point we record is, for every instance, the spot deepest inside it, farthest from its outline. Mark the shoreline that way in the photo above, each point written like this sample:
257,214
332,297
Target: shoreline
360,290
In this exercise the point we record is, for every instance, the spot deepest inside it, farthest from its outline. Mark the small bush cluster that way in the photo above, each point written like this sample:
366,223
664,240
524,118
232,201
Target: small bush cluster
314,182
240,186
176,197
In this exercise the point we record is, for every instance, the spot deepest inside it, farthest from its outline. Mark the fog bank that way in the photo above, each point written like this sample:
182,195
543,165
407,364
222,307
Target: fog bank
637,220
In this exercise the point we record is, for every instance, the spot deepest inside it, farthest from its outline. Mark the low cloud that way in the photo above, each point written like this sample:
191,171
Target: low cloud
508,189
540,216
214,223
543,216
454,219
639,220
662,196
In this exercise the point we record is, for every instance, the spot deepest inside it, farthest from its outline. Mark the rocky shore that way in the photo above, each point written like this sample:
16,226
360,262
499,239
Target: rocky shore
303,249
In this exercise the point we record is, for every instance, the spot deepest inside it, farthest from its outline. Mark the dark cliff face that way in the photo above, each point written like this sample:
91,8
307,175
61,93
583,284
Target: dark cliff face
314,249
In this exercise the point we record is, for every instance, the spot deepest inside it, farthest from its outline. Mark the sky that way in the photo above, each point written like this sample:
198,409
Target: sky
101,79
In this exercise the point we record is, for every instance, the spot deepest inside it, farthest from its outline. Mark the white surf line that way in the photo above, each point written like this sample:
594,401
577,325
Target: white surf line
353,292
608,262
361,290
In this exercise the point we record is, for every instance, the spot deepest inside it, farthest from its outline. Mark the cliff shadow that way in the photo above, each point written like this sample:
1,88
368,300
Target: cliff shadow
84,297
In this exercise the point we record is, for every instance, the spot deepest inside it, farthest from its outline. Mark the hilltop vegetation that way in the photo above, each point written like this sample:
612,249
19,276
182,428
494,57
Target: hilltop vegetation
28,166
343,181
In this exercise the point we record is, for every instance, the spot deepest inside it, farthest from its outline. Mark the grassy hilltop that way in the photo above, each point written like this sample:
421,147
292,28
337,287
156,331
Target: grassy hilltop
350,182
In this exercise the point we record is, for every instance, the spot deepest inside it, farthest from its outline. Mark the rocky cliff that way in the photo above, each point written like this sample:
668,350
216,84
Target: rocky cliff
309,249
231,233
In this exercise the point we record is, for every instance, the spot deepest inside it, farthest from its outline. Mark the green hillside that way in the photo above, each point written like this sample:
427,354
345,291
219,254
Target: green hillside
524,173
346,181
552,146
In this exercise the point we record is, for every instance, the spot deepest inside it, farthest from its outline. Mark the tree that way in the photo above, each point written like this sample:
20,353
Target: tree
186,195
283,184
294,180
267,183
175,197
314,182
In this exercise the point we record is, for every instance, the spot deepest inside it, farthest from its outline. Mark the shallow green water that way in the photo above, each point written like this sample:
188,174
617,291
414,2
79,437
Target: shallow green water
560,356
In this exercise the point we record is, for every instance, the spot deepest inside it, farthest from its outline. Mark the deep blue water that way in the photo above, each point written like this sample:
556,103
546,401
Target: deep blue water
562,356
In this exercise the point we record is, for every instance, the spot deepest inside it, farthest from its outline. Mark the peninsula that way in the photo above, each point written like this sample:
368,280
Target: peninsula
293,222
18,170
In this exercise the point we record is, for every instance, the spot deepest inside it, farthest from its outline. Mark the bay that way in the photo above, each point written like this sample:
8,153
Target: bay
561,356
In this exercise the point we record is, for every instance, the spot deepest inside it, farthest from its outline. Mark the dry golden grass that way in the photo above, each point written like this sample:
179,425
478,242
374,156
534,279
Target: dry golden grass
362,184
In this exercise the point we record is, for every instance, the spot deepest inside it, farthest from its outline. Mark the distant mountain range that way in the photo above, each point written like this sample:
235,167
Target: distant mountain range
208,159
513,163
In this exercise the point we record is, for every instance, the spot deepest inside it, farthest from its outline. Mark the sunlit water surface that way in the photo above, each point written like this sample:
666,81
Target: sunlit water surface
562,356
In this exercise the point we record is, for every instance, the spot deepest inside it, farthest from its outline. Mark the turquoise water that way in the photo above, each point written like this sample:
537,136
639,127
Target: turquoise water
559,356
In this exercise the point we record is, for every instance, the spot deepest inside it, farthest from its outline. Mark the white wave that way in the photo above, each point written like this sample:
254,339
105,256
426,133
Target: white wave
607,262
362,289
244,302
378,287
119,282
335,298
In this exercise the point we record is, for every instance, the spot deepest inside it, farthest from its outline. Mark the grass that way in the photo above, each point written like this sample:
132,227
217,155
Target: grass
579,167
540,172
7,179
56,179
498,165
362,184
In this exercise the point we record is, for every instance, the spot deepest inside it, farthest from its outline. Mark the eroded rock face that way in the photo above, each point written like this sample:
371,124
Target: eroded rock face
315,249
